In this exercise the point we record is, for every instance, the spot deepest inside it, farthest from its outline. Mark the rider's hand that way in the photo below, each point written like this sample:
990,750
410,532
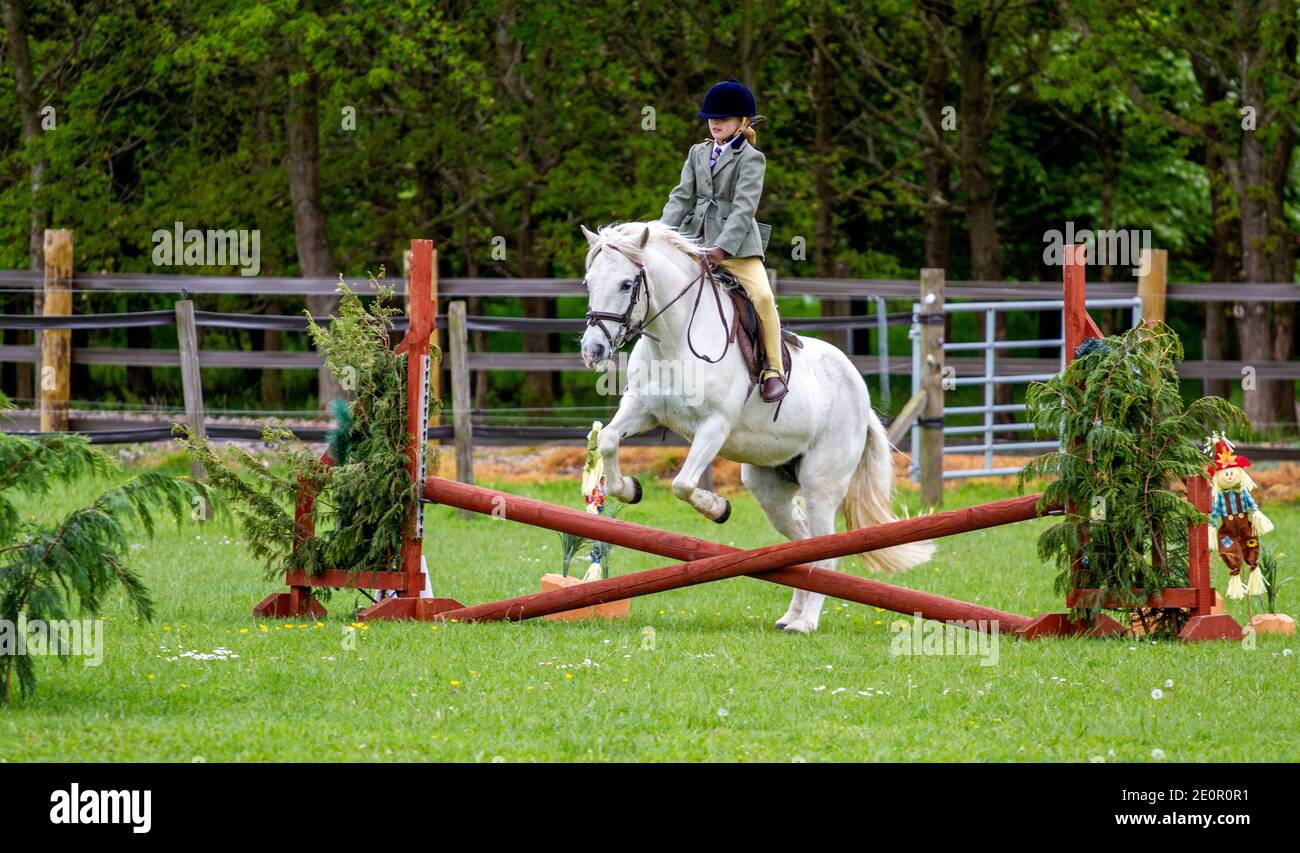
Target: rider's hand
714,256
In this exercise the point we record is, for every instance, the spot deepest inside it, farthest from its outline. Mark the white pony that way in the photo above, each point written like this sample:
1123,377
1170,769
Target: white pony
827,442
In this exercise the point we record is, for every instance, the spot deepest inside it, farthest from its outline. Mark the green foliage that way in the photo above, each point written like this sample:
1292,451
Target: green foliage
362,501
571,544
1127,441
51,567
171,111
1270,561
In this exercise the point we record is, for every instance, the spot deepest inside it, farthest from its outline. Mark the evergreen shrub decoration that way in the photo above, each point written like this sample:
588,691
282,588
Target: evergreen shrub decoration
362,499
1127,443
52,567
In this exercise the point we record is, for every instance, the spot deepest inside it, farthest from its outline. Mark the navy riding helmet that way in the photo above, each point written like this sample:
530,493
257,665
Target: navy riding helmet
729,98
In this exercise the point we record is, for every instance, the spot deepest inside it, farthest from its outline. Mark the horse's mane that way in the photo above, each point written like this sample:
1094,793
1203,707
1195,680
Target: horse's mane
626,237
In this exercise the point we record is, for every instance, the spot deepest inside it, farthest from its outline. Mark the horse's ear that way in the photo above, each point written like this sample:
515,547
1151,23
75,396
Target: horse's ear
645,238
591,236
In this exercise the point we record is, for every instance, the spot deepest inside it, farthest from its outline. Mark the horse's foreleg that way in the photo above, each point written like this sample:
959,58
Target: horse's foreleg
631,418
709,439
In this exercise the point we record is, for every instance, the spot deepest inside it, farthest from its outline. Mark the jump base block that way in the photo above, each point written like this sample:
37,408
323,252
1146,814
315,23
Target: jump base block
295,604
409,609
1061,625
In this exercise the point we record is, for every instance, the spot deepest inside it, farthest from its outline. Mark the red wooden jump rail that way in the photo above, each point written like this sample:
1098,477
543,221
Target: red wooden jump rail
786,563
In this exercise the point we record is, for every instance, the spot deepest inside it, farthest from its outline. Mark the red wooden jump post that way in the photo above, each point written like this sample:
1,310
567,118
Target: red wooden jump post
409,582
1198,596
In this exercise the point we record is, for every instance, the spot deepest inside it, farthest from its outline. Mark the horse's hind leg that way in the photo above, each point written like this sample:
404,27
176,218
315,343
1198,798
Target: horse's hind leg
824,480
775,495
709,439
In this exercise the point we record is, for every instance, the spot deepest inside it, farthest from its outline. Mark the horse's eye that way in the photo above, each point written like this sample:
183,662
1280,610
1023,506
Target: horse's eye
625,286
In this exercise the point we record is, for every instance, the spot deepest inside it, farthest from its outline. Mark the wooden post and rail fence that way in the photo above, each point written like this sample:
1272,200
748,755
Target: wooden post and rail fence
55,354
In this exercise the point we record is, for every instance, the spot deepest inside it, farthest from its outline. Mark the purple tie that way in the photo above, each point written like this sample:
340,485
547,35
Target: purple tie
713,160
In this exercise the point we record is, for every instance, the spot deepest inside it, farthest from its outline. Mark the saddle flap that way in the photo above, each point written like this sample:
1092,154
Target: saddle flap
750,340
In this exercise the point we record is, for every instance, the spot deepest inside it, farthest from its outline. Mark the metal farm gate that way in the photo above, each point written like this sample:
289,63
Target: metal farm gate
984,432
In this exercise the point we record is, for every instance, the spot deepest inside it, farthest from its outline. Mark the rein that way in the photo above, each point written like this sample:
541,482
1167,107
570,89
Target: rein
628,330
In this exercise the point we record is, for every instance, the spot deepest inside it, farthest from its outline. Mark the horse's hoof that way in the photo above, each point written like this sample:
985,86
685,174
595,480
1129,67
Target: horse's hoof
780,626
636,491
726,513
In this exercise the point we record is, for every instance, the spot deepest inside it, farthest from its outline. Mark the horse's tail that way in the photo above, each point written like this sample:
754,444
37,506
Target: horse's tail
869,501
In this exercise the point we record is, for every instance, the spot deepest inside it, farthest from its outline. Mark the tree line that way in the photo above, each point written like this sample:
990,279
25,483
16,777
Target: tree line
899,135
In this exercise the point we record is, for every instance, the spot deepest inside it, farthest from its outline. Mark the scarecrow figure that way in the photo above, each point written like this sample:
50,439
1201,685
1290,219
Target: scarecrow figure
593,473
1239,520
593,492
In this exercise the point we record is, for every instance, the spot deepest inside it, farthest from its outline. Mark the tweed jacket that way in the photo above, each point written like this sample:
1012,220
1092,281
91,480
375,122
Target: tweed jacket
720,205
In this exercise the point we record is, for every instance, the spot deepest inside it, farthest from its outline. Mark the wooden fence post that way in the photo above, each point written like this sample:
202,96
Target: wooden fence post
931,447
56,344
191,378
1151,285
461,401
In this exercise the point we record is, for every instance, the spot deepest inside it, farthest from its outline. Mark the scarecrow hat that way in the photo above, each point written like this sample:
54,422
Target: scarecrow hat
1223,454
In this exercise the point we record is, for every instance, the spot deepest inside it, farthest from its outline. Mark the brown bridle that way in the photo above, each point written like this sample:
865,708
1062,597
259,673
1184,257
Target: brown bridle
627,330
624,320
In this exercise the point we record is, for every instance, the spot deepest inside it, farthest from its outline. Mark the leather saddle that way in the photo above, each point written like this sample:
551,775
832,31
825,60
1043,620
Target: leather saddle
748,333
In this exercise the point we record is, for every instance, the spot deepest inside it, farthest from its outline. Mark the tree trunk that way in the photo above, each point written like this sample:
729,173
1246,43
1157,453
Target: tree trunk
745,43
1226,264
1250,181
1225,267
271,381
477,339
938,169
302,162
272,341
1106,145
538,386
979,190
1253,325
1284,262
1259,177
20,59
823,156
1109,319
1284,349
139,380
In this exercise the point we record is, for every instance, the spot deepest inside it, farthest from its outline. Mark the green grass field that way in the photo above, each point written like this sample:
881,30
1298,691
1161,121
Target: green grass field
719,684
